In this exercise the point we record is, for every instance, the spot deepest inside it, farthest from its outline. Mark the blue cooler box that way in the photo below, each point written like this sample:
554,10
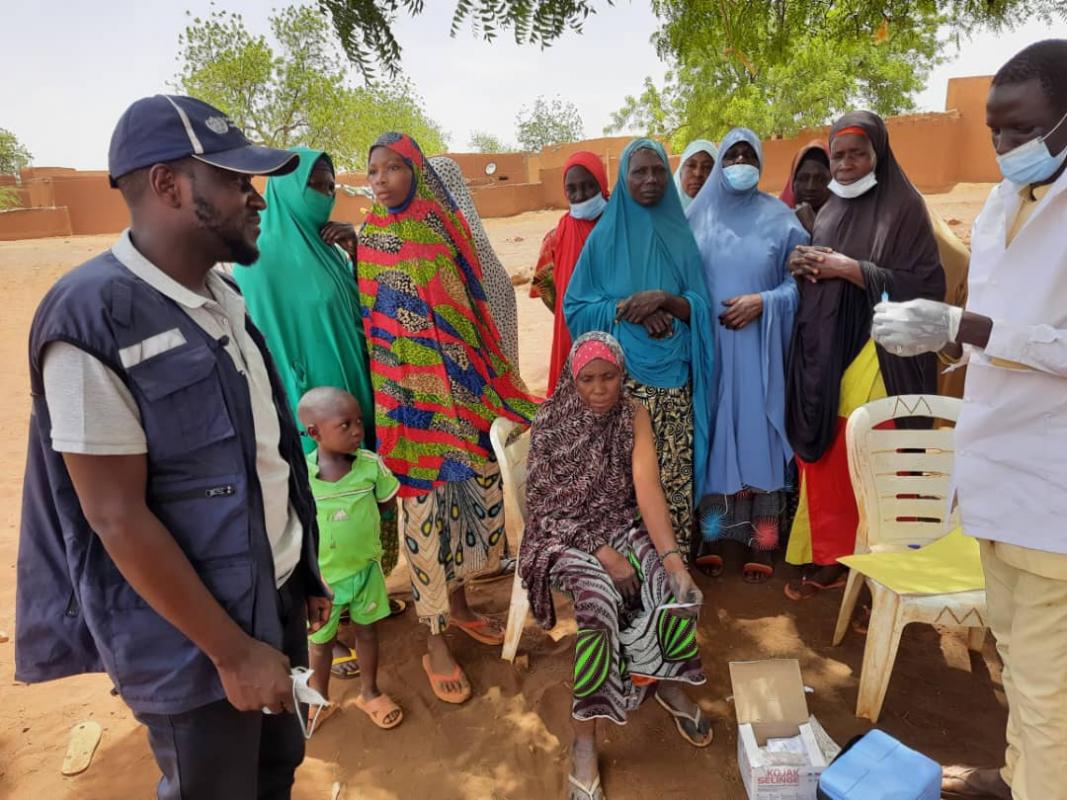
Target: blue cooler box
878,767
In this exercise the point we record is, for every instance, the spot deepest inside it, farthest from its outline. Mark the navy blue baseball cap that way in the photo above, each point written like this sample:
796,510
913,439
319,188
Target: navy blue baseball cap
165,128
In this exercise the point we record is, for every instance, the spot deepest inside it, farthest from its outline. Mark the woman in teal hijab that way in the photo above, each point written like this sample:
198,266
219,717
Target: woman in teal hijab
640,278
302,296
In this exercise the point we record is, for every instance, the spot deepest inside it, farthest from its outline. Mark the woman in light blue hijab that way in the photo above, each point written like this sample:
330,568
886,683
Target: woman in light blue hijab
640,279
697,161
745,238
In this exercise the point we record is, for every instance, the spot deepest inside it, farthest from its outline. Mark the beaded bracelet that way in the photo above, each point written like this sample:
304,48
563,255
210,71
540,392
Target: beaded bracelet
674,551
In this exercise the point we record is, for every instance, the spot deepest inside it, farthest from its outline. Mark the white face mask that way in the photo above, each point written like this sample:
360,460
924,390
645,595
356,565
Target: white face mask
850,191
302,693
589,209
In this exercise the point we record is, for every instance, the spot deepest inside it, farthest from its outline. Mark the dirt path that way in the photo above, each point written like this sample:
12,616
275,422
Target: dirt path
510,741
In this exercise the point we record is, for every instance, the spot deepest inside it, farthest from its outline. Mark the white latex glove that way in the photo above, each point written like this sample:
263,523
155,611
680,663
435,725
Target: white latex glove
914,327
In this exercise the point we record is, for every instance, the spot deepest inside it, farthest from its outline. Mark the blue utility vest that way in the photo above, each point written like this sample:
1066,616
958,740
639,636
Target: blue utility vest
75,612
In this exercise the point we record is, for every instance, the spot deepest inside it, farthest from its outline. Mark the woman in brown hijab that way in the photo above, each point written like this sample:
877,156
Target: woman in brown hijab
873,238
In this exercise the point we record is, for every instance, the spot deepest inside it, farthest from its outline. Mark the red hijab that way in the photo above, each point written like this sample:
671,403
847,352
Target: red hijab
571,234
787,195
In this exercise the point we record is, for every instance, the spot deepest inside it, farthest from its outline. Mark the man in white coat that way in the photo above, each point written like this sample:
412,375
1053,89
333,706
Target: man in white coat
1011,438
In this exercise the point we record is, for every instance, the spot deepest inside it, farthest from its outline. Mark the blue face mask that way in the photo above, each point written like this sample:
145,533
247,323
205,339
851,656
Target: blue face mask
589,209
741,177
1032,162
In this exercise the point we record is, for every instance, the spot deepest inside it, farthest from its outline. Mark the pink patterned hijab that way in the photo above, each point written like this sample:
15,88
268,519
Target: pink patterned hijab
580,489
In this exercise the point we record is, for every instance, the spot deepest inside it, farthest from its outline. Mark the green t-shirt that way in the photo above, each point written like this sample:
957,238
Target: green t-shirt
347,511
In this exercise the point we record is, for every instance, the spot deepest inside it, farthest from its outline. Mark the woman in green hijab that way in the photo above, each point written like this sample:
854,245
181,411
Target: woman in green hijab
302,295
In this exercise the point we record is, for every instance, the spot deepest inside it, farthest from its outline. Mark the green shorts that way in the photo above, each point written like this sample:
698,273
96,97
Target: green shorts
362,595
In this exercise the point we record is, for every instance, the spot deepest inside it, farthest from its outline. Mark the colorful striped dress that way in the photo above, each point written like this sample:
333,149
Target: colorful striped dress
440,378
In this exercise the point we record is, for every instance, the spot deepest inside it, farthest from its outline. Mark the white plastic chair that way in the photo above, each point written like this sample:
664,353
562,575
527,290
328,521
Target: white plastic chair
511,455
902,480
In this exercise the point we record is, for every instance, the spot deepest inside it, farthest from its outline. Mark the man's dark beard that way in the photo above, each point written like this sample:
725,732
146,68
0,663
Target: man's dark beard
238,250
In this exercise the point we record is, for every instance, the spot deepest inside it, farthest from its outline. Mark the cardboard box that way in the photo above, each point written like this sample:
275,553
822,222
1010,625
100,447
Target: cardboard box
770,704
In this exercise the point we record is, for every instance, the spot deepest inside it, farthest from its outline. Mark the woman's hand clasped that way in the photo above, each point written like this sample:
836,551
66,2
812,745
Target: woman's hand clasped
741,310
816,263
621,572
340,233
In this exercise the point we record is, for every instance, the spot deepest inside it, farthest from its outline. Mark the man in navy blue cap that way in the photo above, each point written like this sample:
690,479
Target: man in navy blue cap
168,535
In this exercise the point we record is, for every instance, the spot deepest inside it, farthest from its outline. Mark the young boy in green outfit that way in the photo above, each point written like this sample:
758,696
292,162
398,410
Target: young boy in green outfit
350,484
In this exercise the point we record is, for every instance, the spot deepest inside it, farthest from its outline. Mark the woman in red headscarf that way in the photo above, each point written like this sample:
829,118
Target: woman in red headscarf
585,183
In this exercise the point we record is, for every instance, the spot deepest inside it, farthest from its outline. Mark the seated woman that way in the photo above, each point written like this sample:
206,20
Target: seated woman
598,528
694,167
872,239
808,187
640,278
586,185
746,238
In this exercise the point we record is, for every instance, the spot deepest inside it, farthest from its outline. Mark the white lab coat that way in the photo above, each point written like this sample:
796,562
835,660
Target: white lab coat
1011,438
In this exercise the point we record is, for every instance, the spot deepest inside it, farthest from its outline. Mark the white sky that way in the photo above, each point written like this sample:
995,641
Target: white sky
62,91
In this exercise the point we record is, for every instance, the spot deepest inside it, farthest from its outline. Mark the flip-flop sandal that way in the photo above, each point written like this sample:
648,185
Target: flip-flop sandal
695,719
379,709
84,738
337,666
580,791
319,715
712,566
753,568
437,684
396,606
476,629
798,595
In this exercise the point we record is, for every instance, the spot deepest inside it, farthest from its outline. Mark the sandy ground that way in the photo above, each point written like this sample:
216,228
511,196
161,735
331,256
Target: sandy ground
510,741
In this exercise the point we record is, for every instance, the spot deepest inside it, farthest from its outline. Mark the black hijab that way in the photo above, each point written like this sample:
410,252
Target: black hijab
888,231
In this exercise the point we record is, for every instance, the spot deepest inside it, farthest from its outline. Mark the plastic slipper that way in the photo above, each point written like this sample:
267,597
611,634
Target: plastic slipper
711,565
477,630
396,606
336,667
799,595
694,718
437,683
580,791
752,568
379,709
84,737
319,715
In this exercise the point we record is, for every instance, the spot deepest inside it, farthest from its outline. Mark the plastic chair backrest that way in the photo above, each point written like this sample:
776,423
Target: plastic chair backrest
902,478
511,454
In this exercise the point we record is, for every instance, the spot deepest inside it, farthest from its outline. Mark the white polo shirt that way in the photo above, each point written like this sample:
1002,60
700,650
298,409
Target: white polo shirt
1011,438
93,412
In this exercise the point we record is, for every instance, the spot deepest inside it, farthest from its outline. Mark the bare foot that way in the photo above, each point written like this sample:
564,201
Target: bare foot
967,782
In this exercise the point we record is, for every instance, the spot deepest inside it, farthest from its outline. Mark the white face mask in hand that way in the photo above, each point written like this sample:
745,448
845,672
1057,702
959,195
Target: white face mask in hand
850,191
302,693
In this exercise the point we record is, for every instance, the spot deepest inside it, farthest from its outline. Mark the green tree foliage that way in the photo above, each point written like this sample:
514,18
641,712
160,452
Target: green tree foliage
13,154
778,66
484,142
795,65
295,89
365,27
548,122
